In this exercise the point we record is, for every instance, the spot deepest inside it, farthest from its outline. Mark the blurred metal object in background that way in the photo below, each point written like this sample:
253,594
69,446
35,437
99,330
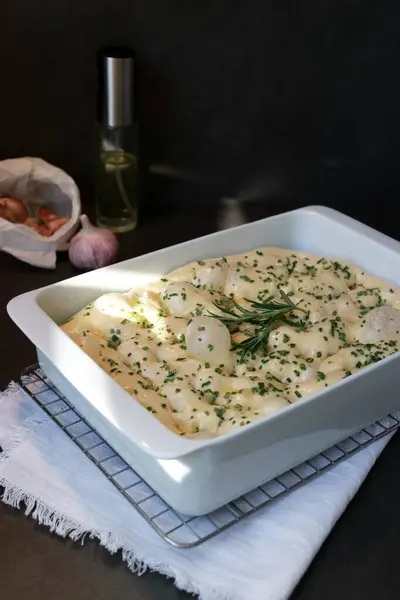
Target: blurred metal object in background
230,214
231,211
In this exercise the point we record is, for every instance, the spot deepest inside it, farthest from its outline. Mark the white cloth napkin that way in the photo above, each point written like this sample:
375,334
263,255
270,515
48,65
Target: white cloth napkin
263,557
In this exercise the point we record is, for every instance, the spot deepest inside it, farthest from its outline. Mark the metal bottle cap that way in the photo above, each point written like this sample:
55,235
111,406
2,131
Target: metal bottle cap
115,86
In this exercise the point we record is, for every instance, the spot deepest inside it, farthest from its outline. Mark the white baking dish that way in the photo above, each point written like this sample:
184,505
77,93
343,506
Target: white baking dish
197,476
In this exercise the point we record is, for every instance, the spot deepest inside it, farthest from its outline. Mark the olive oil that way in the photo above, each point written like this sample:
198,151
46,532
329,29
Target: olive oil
117,191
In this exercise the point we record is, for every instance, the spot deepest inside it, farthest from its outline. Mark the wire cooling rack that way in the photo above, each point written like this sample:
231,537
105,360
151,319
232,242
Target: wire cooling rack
179,530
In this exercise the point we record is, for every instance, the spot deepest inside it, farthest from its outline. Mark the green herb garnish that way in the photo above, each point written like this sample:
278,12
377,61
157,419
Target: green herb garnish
267,315
219,412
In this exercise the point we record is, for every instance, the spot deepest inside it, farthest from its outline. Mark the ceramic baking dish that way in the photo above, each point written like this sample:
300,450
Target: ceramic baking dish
198,476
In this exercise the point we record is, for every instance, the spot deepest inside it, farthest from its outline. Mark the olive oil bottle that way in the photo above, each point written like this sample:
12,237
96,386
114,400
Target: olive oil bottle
117,183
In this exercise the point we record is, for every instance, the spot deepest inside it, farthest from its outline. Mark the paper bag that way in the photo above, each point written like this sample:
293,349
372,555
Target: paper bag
37,183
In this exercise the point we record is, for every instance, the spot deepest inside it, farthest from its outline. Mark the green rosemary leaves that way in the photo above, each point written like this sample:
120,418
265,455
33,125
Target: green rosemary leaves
266,315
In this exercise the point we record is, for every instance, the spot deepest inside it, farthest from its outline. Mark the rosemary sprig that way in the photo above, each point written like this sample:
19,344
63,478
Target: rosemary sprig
267,315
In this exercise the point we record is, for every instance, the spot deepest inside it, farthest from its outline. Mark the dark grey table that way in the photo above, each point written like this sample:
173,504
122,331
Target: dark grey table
360,559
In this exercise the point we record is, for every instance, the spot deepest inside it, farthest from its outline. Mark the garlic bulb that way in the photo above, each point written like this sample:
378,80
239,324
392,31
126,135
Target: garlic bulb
92,247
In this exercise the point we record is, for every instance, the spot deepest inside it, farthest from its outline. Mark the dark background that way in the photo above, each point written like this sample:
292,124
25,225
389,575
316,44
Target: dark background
306,92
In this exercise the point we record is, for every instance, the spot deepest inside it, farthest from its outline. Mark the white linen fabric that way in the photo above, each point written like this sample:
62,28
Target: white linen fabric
44,473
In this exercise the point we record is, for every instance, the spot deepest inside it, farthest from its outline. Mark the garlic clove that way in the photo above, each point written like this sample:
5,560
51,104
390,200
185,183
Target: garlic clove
92,247
13,210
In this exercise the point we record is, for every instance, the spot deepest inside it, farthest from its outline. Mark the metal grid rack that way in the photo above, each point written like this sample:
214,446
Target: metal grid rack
179,530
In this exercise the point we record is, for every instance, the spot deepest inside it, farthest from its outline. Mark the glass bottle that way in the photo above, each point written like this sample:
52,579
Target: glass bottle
117,184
